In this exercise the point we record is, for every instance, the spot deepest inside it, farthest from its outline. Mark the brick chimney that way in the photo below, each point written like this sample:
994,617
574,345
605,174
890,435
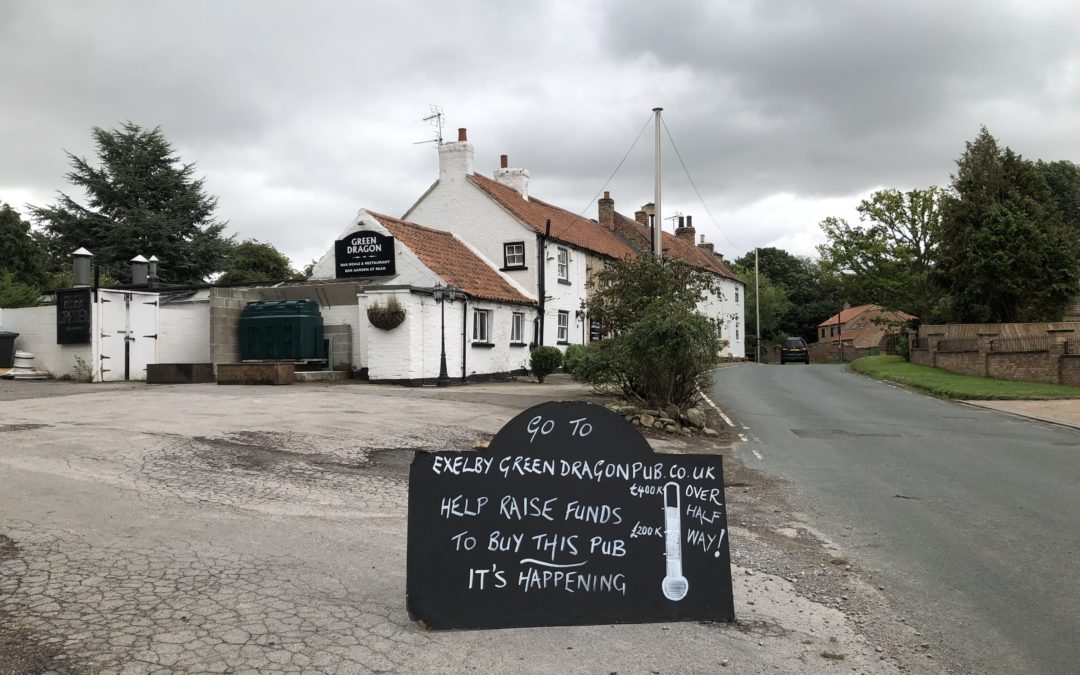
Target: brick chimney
513,178
456,159
686,232
642,217
708,247
607,211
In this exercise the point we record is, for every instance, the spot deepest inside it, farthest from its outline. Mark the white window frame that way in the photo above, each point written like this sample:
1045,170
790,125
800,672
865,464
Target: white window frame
563,333
563,264
481,325
509,261
517,327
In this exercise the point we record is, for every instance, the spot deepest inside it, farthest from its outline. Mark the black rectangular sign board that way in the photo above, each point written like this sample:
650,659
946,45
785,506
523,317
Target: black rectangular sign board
567,518
364,254
73,314
596,332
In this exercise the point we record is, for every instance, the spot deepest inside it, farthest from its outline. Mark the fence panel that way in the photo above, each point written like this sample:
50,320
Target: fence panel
959,345
1021,344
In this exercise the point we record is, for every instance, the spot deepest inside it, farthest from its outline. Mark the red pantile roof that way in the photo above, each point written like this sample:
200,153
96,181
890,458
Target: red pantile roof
452,260
851,313
674,247
566,227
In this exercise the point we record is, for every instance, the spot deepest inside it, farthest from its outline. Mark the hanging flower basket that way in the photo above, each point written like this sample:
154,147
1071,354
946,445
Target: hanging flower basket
386,317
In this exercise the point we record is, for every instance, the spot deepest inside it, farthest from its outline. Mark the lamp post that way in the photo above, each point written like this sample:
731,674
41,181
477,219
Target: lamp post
442,294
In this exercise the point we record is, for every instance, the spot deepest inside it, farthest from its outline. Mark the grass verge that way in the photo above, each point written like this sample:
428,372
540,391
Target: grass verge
951,385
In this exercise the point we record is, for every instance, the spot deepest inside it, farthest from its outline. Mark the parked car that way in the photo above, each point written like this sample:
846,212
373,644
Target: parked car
794,349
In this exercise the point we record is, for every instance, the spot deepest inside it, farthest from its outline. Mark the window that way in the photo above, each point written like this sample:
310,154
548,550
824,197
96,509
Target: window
514,255
736,295
564,326
736,329
564,265
481,325
517,327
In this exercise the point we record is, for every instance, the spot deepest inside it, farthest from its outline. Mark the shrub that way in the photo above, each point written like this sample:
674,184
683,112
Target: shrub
571,360
543,361
662,348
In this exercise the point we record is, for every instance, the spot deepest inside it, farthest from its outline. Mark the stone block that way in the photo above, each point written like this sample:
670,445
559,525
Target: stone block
256,373
179,373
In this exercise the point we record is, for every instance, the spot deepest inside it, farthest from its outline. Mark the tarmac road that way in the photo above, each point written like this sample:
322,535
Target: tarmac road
969,518
245,529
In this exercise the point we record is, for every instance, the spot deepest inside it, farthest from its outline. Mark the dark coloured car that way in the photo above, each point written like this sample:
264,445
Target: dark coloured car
794,350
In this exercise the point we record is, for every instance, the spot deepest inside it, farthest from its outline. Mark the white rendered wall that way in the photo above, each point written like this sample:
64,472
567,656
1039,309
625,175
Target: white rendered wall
460,207
184,332
409,270
36,327
727,307
568,298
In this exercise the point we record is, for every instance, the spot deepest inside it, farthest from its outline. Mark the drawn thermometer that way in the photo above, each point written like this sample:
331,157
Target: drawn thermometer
675,584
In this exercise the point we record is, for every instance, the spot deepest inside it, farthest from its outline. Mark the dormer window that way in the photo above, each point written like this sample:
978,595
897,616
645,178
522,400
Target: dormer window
514,255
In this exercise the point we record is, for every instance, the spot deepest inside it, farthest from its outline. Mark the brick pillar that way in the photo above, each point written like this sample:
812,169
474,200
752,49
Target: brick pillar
984,351
932,340
607,211
1058,338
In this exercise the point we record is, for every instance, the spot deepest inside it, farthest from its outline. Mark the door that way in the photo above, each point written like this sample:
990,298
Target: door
128,334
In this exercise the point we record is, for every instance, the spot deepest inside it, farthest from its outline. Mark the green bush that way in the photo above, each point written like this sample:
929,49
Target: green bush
543,361
903,347
571,360
662,348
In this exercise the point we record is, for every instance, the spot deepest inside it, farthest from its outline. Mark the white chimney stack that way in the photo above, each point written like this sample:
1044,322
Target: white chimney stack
456,159
517,179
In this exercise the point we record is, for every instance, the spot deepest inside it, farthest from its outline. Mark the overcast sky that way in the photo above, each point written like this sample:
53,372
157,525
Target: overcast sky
300,113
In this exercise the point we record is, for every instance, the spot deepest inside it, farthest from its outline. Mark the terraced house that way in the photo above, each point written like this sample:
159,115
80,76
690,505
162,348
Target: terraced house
552,252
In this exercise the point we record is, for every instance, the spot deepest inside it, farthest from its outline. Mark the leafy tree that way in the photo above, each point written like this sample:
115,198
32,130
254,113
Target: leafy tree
662,348
773,305
888,260
254,260
1063,180
1007,252
810,290
140,200
23,252
14,293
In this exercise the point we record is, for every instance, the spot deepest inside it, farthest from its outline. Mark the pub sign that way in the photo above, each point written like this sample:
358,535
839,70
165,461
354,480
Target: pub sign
364,254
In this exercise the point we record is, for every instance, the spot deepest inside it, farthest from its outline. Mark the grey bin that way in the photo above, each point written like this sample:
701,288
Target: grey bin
7,349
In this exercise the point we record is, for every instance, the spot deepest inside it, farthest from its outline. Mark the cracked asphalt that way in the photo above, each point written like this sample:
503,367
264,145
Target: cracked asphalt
262,530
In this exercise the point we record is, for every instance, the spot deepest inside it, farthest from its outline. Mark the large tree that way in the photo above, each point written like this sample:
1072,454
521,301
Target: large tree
254,260
1007,252
888,259
140,200
23,254
811,293
770,300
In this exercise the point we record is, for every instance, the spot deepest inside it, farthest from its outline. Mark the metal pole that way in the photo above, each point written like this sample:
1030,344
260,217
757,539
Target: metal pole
839,333
658,220
757,309
444,377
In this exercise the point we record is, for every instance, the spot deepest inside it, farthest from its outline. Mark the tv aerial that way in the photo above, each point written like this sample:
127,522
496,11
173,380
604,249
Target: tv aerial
435,119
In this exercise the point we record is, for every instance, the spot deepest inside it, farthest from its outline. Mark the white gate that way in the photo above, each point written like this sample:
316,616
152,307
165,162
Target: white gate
129,334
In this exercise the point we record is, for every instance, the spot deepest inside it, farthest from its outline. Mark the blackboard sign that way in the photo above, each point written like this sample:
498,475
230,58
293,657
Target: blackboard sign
73,313
568,518
364,254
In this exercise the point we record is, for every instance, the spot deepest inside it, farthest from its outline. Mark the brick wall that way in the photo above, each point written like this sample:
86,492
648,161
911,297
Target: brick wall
965,363
921,357
1069,370
1022,366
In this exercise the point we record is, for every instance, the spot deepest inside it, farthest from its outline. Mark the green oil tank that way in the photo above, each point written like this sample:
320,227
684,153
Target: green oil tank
281,330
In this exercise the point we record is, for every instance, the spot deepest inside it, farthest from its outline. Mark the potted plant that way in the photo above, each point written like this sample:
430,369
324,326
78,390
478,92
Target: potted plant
386,317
